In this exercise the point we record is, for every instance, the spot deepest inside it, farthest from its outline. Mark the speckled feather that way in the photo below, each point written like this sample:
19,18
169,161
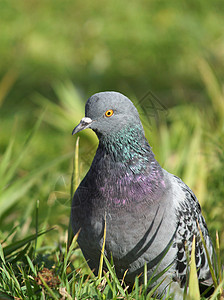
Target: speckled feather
150,213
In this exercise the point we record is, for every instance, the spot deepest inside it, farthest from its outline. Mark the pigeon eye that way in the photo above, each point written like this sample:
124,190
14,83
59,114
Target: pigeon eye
109,113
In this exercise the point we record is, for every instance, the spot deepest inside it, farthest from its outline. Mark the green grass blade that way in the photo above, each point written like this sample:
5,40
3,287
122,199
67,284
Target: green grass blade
17,189
5,159
27,281
75,179
14,278
2,256
13,193
213,88
14,166
13,259
15,246
31,265
36,222
108,282
153,290
10,233
114,277
4,296
136,288
154,277
68,252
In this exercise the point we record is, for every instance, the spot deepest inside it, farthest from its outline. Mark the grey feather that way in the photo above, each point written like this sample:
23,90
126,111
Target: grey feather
151,215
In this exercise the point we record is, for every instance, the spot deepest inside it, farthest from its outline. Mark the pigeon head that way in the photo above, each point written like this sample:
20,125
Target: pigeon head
108,113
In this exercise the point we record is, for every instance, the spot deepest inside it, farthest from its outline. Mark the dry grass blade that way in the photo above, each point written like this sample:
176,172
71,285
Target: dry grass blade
218,257
102,251
209,259
77,173
217,293
6,84
194,292
213,88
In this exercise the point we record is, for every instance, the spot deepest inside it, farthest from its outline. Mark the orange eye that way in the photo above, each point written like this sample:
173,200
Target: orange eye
109,113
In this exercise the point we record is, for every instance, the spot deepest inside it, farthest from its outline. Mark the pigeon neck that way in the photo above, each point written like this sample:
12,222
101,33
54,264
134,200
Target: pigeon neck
126,168
127,144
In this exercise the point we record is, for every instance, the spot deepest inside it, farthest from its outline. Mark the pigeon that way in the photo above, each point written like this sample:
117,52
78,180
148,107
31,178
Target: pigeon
151,216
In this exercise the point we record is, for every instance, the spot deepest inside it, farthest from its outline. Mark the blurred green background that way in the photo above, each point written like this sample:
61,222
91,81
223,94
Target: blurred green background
55,54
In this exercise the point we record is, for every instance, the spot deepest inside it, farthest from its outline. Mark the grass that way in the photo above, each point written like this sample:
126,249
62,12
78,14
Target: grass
28,273
86,43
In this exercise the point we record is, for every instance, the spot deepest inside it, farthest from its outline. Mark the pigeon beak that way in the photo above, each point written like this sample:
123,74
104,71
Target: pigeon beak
84,123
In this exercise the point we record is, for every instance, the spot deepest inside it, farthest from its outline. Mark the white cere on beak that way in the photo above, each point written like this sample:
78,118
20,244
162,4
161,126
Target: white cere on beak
86,120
